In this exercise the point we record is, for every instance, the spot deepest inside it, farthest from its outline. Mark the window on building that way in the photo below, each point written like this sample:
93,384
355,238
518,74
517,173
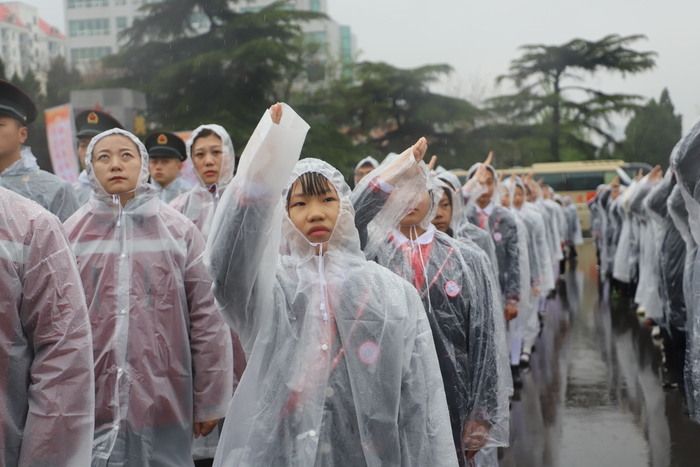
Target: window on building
89,54
345,44
119,2
121,23
87,3
89,27
315,5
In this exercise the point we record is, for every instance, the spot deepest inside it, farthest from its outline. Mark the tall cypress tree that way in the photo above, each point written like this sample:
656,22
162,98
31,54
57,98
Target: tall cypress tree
653,132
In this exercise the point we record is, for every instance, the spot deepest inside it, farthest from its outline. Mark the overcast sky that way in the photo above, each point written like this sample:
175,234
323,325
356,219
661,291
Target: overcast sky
479,39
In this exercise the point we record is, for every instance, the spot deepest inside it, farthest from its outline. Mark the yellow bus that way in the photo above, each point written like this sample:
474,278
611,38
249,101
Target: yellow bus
578,179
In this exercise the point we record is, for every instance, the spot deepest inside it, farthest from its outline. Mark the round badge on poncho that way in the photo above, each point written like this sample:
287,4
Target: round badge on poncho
452,288
368,352
497,237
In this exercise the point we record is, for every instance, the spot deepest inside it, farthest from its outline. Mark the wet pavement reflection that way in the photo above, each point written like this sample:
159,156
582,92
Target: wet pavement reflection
593,393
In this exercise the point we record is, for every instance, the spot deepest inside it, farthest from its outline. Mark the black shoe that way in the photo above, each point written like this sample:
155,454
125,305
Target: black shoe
517,378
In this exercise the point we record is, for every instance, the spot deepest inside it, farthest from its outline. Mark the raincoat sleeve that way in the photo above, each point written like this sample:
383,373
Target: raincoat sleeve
656,201
511,263
59,426
399,179
368,202
422,442
533,257
490,381
210,340
243,245
65,202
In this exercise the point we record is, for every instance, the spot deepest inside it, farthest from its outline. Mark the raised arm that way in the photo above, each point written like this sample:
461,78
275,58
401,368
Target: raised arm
398,181
243,245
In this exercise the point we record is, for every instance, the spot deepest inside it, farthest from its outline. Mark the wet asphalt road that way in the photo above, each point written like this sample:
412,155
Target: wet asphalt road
593,394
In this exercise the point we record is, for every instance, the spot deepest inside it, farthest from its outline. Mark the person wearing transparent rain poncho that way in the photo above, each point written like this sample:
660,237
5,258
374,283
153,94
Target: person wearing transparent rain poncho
484,211
451,219
671,264
213,158
685,163
46,367
342,368
459,295
679,215
210,149
647,295
19,171
539,260
528,278
163,363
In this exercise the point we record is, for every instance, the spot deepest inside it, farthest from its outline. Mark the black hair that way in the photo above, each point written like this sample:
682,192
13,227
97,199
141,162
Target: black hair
366,164
204,133
312,184
448,192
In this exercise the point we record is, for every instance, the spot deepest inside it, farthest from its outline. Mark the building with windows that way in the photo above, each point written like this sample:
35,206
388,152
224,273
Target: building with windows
27,42
93,28
337,44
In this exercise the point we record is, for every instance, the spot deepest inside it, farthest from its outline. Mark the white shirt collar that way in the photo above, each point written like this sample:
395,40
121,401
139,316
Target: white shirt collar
487,210
426,238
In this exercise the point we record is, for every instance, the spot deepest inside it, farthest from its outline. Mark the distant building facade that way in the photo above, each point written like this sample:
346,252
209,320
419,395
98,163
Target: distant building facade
93,28
27,42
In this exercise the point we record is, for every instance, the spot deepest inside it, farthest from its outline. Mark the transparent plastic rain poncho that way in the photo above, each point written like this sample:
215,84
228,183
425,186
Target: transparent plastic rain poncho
176,188
46,367
529,276
540,263
563,221
597,219
199,204
556,222
367,160
647,296
501,226
573,223
671,253
53,193
679,215
685,162
342,368
626,261
466,231
603,201
458,293
533,234
83,190
458,208
614,227
162,352
550,221
462,229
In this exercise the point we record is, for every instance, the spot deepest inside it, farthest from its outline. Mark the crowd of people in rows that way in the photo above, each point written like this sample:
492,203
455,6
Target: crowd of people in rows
647,235
271,317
